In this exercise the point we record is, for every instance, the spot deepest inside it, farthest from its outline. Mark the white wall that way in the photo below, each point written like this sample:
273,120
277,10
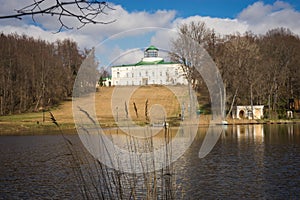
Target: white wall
164,74
257,111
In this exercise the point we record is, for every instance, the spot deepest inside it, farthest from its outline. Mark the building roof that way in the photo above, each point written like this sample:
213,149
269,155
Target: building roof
157,62
148,61
152,48
161,62
106,78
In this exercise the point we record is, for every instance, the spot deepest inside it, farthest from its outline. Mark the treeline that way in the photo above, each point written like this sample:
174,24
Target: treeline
256,69
35,74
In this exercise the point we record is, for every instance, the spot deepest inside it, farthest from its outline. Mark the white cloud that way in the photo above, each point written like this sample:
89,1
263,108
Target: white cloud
90,35
163,38
9,7
258,18
130,56
255,13
222,26
38,33
262,17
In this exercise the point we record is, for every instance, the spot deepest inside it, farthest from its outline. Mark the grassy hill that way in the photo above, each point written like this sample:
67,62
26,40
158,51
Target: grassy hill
161,100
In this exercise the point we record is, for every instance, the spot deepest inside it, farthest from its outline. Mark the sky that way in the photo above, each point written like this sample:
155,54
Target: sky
212,8
140,23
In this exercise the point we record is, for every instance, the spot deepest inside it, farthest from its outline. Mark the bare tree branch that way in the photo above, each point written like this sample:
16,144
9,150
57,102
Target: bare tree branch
85,11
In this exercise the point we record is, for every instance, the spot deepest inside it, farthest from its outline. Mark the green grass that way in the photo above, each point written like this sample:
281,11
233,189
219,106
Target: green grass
22,117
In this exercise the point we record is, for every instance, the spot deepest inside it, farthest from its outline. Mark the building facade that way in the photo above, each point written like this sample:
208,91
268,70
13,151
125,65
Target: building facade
152,69
246,112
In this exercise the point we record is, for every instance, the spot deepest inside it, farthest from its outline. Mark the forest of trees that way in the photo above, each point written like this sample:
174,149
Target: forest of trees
256,69
35,74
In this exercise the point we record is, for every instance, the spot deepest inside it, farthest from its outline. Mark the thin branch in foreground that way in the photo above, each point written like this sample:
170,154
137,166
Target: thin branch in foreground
84,11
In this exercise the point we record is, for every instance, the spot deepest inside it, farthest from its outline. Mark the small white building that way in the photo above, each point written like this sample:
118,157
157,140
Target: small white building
107,81
150,70
245,112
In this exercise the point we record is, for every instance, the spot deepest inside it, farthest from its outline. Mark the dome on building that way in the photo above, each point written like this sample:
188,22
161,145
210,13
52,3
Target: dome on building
152,48
151,55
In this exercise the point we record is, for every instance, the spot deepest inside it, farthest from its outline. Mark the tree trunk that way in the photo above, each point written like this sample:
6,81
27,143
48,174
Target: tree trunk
1,105
251,101
37,103
269,105
232,102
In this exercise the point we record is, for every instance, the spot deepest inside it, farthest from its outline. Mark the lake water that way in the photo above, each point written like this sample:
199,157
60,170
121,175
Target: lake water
248,161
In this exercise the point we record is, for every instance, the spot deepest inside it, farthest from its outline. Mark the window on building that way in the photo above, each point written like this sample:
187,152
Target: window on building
160,73
151,53
118,74
146,73
127,75
140,74
132,75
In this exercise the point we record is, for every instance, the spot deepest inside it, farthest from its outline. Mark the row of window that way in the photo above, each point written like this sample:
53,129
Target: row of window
140,82
151,53
146,74
145,82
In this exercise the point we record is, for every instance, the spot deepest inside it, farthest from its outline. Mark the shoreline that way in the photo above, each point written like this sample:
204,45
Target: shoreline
27,127
40,123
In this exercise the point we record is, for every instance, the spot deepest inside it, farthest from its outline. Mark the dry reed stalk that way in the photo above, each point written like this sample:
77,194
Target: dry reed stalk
98,181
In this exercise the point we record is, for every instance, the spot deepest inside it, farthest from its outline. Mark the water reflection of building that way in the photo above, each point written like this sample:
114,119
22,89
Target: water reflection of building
255,132
251,144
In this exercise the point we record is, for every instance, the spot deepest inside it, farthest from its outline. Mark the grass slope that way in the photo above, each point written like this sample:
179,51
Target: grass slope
39,122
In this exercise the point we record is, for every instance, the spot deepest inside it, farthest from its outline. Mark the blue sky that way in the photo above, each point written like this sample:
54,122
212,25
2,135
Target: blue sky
225,16
134,17
212,8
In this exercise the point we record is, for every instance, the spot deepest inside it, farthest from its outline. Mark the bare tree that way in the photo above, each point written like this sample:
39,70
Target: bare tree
35,74
239,60
191,50
280,48
84,11
255,69
185,49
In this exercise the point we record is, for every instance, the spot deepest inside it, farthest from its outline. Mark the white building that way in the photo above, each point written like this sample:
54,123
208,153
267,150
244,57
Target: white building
107,81
245,112
150,70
